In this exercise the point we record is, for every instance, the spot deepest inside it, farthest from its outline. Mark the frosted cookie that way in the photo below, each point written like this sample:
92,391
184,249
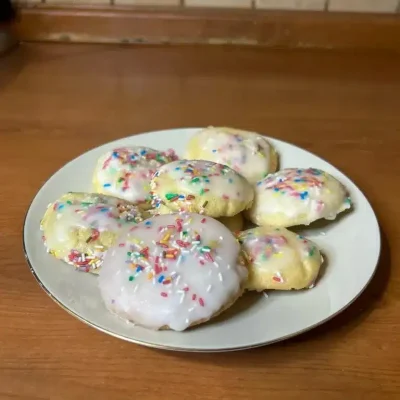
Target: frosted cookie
248,153
234,223
279,259
202,187
126,172
297,196
172,272
78,228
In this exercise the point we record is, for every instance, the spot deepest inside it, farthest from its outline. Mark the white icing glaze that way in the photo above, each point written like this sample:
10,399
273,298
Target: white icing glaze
199,177
278,258
248,153
96,213
299,195
140,283
126,172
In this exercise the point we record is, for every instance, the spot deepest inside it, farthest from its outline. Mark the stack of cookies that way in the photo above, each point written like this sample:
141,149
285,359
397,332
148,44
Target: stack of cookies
167,236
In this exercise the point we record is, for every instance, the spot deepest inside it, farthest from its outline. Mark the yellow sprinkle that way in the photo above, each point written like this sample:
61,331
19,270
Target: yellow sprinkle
132,266
166,237
280,254
213,243
300,187
53,253
150,276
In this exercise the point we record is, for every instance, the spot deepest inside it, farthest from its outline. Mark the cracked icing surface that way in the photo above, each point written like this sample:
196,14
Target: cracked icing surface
279,259
203,187
126,172
297,196
79,227
248,153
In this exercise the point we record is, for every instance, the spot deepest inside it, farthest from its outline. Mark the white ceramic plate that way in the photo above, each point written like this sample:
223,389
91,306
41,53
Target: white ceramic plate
351,246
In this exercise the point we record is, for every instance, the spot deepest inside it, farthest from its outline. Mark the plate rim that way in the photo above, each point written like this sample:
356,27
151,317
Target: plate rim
193,349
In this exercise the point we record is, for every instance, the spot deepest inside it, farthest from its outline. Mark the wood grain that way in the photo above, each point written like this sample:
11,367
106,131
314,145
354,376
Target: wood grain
57,101
272,29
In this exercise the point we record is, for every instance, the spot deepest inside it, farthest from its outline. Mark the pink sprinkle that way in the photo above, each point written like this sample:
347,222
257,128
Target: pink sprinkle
201,301
320,206
225,197
277,279
194,297
163,294
209,257
202,262
203,221
157,269
105,165
181,243
185,289
121,245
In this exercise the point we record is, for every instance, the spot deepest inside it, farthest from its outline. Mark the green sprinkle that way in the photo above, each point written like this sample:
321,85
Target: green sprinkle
202,191
170,196
131,278
194,180
311,252
205,249
70,202
120,180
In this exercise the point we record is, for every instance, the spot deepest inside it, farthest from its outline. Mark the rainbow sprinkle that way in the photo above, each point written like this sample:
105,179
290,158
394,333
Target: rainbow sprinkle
173,243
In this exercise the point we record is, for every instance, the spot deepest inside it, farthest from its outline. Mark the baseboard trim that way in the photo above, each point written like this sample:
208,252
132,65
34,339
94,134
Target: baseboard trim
319,30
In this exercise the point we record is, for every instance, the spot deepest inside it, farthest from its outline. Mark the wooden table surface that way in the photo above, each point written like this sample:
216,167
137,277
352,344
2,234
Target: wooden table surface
57,101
